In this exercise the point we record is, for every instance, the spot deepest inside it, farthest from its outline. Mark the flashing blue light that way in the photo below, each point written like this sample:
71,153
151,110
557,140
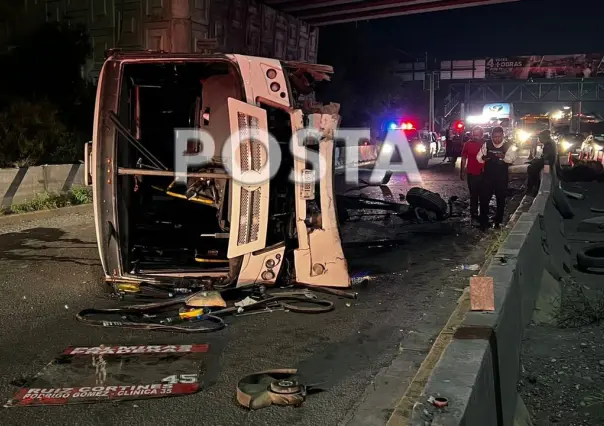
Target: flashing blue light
393,126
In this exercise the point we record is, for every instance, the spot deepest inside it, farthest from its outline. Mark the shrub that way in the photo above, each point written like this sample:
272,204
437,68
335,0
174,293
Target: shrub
32,134
81,195
46,103
49,201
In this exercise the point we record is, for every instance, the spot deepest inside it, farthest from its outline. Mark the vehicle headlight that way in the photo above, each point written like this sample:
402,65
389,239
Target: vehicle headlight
420,147
387,148
523,136
566,145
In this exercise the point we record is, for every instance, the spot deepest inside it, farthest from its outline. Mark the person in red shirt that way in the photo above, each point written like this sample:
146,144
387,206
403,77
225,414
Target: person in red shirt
472,168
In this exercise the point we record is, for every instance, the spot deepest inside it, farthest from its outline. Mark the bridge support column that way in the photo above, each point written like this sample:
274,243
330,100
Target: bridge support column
575,121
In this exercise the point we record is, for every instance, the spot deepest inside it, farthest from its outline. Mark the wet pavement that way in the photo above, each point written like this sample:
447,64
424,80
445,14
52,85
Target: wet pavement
49,270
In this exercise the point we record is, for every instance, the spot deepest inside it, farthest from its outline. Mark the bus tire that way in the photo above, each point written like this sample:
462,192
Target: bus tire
428,200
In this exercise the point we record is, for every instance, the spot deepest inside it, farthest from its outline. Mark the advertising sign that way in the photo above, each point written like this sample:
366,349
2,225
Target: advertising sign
548,66
496,111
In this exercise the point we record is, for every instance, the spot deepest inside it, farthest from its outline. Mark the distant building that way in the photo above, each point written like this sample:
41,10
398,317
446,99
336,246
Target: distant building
238,26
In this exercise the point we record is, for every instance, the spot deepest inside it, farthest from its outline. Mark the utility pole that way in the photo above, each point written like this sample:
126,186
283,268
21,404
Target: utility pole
579,115
575,116
431,84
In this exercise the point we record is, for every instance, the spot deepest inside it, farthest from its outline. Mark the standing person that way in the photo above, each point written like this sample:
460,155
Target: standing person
472,169
550,152
550,157
496,155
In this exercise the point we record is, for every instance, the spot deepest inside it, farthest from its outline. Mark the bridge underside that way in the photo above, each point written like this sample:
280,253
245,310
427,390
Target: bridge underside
566,90
328,12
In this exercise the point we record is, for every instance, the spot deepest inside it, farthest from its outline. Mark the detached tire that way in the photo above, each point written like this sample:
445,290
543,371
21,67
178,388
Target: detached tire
591,257
431,201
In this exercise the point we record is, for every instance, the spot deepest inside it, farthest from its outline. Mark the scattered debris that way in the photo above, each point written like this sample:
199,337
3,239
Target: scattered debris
473,267
273,387
245,302
242,313
203,311
206,299
340,293
127,373
360,278
482,294
438,402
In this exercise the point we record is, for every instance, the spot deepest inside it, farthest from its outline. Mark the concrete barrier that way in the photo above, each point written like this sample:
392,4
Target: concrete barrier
479,369
23,184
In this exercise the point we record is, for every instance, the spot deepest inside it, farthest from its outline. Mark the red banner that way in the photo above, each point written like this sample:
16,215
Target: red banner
145,349
61,396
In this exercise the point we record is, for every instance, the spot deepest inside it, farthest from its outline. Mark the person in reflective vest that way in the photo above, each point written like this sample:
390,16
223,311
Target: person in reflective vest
497,155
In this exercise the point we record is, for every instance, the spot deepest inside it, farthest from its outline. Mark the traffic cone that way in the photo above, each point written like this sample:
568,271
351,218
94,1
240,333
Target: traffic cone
570,159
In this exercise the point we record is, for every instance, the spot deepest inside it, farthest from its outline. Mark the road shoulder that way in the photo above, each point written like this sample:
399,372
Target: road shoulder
390,398
12,219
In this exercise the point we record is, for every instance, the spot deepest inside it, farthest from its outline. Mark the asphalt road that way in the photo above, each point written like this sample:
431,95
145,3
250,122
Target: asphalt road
49,270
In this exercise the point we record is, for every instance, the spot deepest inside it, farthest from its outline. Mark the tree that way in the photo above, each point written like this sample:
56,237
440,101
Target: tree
46,104
31,133
365,81
46,64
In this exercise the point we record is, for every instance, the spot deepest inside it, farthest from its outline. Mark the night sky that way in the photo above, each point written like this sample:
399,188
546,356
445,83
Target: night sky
519,28
526,27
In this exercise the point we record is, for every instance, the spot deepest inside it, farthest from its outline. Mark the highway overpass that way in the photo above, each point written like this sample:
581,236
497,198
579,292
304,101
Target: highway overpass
329,12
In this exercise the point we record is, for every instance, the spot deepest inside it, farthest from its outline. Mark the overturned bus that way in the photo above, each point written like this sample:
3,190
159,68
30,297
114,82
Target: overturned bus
152,226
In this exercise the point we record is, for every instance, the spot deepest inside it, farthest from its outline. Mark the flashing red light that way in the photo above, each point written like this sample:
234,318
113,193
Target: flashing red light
460,125
407,126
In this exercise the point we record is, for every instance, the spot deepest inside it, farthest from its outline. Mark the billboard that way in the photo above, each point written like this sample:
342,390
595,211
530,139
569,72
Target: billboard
462,70
547,66
496,110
